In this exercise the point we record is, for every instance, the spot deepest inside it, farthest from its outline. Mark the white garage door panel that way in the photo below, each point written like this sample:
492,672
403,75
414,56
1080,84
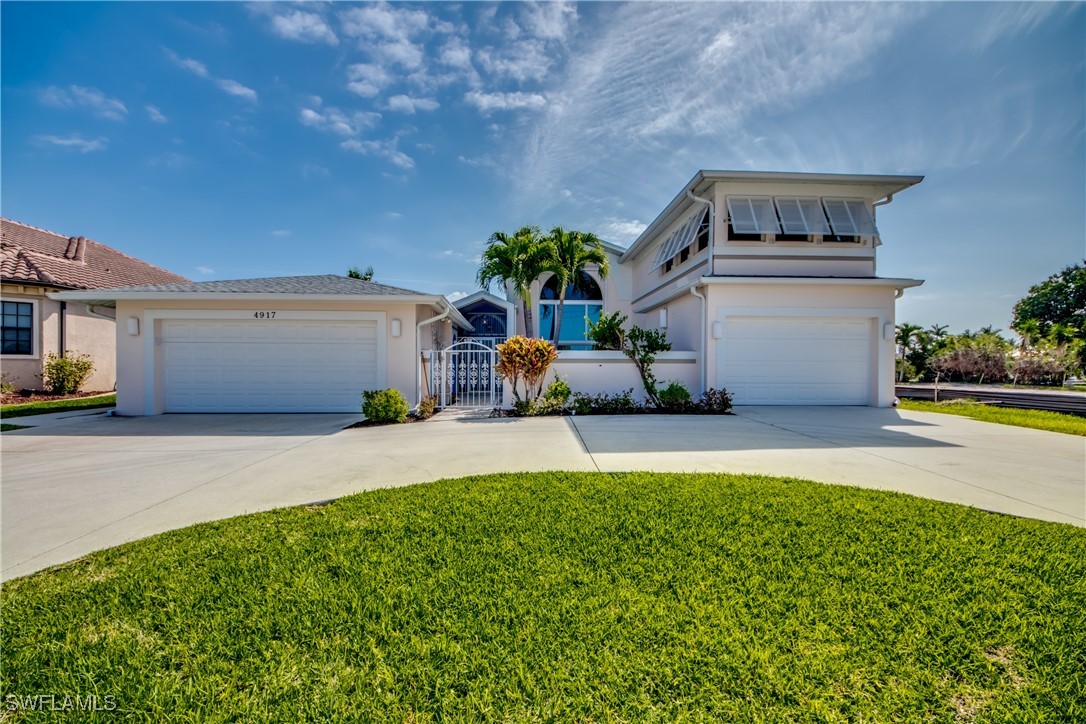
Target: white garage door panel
269,366
797,360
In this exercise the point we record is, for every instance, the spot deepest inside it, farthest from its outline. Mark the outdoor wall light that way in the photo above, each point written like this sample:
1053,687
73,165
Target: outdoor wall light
663,317
718,330
134,326
396,328
888,331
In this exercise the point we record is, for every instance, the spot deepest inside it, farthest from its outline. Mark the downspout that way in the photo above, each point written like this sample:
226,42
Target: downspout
702,362
418,350
61,347
712,228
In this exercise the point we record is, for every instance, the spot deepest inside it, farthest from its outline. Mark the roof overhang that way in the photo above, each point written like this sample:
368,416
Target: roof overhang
882,186
651,302
482,294
104,298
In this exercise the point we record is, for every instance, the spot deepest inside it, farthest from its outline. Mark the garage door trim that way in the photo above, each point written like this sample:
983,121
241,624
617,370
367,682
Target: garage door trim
153,340
851,313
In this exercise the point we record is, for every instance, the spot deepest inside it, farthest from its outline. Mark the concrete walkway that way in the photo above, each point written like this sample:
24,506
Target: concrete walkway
78,484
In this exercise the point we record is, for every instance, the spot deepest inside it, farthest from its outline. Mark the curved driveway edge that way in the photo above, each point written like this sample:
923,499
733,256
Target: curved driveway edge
97,481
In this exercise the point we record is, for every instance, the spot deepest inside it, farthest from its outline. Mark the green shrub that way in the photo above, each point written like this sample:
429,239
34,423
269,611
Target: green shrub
621,403
524,361
65,374
426,407
6,387
384,406
607,331
554,401
557,392
715,402
675,397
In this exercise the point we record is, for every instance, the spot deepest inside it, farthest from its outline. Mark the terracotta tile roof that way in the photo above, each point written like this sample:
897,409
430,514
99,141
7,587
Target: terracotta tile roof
35,256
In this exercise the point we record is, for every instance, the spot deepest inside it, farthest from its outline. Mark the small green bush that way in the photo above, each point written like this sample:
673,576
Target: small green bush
675,397
426,407
65,374
557,393
715,402
607,332
6,387
384,406
621,403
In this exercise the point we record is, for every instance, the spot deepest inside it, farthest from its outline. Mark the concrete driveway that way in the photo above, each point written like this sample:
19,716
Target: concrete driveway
78,484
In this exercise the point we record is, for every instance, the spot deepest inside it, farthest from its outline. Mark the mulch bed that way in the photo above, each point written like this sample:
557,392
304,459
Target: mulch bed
16,398
372,423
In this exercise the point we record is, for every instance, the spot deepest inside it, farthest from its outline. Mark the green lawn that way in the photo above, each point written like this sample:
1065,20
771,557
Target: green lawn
5,427
572,596
1036,419
41,408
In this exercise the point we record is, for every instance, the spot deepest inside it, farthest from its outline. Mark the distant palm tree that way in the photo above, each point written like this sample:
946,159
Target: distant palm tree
1060,333
937,331
988,329
1029,333
570,253
515,262
906,335
365,275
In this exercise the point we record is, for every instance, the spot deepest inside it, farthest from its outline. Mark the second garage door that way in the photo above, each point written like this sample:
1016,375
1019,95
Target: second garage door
796,360
277,366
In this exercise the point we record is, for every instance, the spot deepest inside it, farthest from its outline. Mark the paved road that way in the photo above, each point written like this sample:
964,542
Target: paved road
78,483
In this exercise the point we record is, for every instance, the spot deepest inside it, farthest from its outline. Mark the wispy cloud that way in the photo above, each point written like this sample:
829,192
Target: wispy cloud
281,232
170,159
621,230
304,27
407,104
367,79
333,120
205,270
155,114
84,98
517,100
199,69
1009,19
385,149
74,141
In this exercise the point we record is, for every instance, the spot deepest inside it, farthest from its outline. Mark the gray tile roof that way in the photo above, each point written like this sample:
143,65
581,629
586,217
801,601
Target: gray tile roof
320,284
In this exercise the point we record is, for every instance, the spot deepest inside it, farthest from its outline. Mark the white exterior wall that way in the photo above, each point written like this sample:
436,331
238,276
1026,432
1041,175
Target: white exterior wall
611,372
83,334
874,303
136,395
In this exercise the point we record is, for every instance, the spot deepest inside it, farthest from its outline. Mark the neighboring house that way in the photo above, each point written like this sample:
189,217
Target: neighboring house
284,344
34,263
765,284
492,318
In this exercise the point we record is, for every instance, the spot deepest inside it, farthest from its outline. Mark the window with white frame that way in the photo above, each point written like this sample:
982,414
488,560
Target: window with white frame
584,303
18,328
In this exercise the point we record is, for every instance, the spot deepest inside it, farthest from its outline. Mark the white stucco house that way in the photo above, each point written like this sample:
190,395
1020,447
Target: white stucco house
765,283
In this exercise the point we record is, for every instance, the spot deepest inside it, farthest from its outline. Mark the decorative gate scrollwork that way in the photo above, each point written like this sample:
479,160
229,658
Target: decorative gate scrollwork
463,375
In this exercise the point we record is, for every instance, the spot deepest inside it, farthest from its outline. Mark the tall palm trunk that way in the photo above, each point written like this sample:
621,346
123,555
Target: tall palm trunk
558,315
526,298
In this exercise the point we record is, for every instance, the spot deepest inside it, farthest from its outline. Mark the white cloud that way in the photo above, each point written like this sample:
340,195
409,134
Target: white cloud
622,230
548,20
333,120
1009,19
281,232
487,102
393,215
310,170
407,104
304,27
367,79
522,61
455,53
75,141
155,114
382,20
81,97
454,296
205,270
381,149
566,194
197,68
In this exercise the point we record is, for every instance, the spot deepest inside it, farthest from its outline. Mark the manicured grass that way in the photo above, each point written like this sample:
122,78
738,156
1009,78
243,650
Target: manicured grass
572,596
1036,419
4,427
41,408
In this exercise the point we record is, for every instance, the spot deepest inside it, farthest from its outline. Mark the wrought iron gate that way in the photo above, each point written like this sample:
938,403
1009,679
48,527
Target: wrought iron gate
463,375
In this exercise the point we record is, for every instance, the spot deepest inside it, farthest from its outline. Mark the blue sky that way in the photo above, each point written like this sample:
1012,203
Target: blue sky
228,140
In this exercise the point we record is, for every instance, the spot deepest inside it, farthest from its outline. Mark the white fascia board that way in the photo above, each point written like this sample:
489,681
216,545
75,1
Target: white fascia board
818,281
482,294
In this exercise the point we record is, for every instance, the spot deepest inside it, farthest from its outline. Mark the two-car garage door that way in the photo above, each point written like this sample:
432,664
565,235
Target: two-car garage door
308,365
769,360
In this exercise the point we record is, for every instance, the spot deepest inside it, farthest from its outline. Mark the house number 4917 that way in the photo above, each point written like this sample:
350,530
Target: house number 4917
263,315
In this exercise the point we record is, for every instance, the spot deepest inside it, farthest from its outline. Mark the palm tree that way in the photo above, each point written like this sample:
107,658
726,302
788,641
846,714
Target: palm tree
1029,333
515,261
906,335
570,253
937,331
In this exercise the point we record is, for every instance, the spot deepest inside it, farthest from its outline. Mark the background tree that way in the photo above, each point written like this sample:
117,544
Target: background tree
365,275
906,335
1060,299
570,252
515,261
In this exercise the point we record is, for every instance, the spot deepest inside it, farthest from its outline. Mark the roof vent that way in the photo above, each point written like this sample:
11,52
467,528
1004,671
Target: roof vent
77,246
